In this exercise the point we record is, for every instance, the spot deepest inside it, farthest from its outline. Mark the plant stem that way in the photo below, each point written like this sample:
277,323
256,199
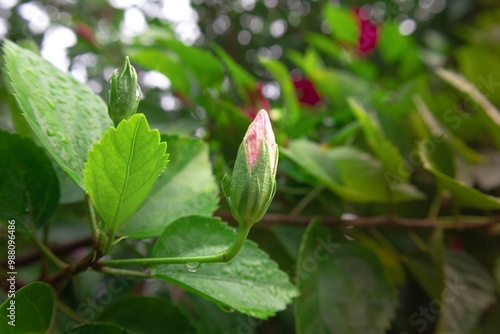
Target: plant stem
224,256
48,253
93,222
110,241
70,312
124,272
436,204
306,200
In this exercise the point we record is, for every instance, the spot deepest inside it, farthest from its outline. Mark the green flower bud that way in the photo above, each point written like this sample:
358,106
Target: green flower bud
124,93
253,183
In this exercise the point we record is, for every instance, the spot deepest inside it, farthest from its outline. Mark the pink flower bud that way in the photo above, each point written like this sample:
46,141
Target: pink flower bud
253,183
258,132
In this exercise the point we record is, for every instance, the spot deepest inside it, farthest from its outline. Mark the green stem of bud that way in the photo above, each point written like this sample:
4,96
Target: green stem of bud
224,256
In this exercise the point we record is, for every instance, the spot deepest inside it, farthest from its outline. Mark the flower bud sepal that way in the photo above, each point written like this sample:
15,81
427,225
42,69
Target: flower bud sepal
124,93
253,186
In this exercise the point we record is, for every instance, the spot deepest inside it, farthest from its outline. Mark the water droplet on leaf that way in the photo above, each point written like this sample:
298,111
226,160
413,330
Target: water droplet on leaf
226,308
193,266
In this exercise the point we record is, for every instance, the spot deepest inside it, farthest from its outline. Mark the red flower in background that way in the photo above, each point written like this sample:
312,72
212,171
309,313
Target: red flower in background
456,244
368,32
257,102
86,32
306,92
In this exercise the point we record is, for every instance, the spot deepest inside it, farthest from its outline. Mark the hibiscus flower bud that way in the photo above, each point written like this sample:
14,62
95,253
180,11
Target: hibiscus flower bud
253,183
124,93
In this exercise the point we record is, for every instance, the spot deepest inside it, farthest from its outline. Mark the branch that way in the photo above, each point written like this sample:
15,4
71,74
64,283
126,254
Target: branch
461,223
56,249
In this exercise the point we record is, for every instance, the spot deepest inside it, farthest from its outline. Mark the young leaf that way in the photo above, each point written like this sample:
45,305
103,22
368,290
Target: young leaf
190,68
344,287
146,315
463,195
352,174
290,101
29,189
243,81
251,283
342,22
490,115
190,171
63,113
33,310
469,290
122,168
384,149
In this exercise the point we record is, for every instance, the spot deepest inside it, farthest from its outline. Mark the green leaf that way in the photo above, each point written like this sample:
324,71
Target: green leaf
434,127
463,195
384,149
427,273
29,189
189,68
289,97
212,319
166,63
393,45
490,115
251,283
481,66
469,290
123,167
97,329
34,307
63,113
352,174
343,23
186,187
19,123
146,315
344,287
243,81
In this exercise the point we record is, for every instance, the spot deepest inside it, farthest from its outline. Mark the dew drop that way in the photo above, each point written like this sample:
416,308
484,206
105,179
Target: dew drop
64,139
50,133
193,266
50,103
226,308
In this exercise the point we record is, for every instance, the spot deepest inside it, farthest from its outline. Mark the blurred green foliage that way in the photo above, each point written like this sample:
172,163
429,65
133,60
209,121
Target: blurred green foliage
386,113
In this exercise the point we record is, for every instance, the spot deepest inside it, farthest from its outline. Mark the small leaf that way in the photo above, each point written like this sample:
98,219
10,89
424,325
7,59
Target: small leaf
146,315
435,128
190,68
463,195
469,290
243,81
63,113
344,287
342,22
122,168
352,174
186,187
384,149
34,306
290,101
29,189
251,283
489,113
